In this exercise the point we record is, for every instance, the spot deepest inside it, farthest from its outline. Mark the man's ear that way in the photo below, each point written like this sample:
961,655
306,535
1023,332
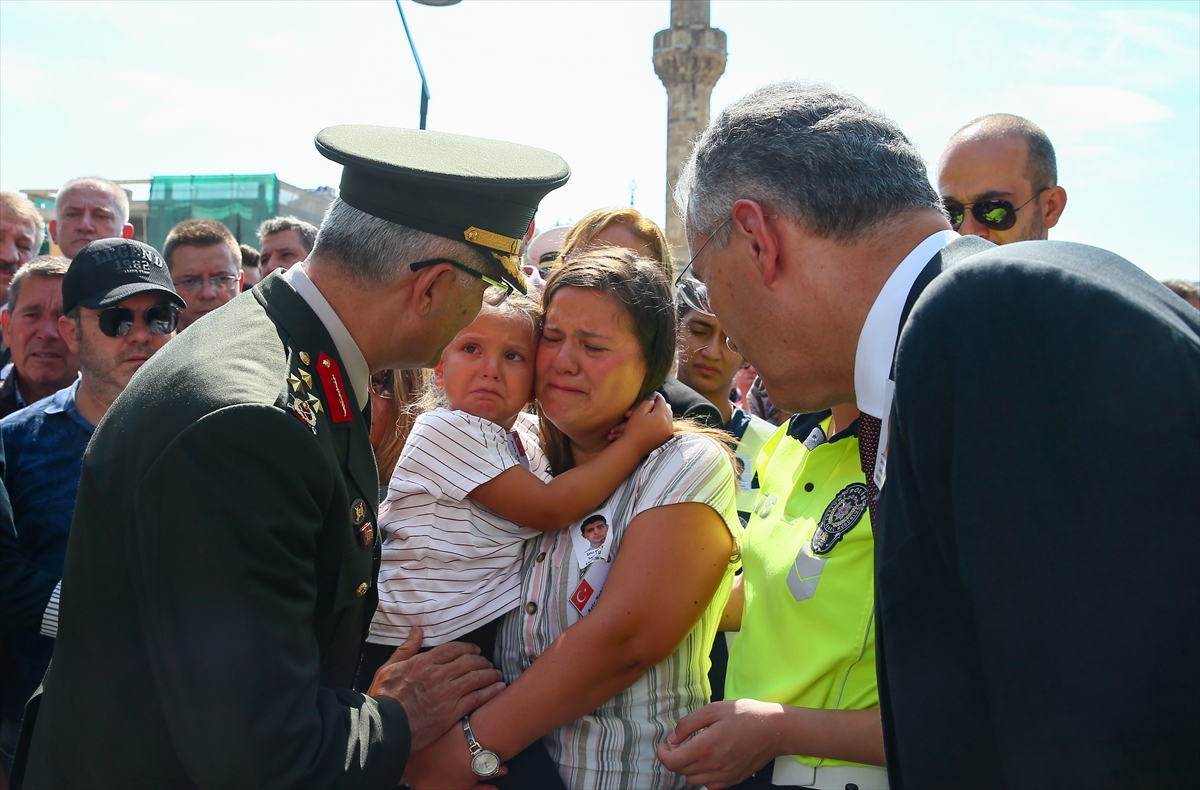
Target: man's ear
755,229
54,231
429,288
127,231
1056,201
68,330
438,378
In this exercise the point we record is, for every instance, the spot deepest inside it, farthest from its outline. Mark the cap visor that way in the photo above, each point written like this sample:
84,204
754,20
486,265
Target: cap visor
123,292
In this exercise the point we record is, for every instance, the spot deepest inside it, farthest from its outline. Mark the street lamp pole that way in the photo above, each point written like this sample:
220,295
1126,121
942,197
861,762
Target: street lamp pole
420,69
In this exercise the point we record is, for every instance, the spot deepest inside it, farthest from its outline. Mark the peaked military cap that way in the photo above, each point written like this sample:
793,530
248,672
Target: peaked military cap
470,189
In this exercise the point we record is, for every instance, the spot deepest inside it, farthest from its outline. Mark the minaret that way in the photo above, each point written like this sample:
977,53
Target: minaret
689,58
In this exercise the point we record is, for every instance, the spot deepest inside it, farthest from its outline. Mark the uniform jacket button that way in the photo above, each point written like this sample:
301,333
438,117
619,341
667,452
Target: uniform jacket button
531,608
362,589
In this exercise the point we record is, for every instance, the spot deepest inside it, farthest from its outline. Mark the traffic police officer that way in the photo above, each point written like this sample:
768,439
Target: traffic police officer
211,638
802,704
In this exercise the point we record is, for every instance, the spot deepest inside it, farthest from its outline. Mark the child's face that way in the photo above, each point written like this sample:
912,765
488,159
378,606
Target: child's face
596,533
487,370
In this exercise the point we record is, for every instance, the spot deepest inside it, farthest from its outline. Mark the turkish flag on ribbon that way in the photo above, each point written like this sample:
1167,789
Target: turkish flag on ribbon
336,396
583,594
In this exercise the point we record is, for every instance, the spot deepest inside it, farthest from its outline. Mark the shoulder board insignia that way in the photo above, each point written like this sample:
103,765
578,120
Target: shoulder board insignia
335,389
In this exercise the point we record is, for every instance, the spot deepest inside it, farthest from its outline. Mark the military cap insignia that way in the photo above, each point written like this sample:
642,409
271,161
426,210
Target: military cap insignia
304,413
335,389
358,512
843,513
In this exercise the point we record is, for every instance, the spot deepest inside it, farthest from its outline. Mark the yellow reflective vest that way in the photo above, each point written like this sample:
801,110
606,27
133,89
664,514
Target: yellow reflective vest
807,635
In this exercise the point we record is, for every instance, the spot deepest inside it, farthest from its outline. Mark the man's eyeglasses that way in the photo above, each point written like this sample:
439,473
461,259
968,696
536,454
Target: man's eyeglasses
496,292
991,214
694,294
687,270
223,282
382,384
161,319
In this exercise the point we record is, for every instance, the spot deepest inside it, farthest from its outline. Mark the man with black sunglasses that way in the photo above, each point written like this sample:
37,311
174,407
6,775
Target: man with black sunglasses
210,638
998,179
118,309
1037,561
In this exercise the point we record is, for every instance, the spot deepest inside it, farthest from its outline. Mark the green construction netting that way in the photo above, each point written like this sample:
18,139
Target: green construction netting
242,203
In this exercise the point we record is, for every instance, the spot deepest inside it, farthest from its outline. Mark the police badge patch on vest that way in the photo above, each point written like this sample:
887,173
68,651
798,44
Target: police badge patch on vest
843,513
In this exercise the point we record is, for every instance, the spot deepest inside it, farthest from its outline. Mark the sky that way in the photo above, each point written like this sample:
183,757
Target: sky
131,90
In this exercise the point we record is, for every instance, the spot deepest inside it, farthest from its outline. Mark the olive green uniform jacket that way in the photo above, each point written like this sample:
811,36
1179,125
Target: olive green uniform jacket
217,591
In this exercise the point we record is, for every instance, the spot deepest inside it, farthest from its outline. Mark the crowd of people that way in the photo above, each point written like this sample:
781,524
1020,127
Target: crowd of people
463,432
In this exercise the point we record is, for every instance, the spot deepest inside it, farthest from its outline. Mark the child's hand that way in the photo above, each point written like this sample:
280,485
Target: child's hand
649,424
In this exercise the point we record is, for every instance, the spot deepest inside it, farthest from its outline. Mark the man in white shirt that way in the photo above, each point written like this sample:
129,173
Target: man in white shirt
994,382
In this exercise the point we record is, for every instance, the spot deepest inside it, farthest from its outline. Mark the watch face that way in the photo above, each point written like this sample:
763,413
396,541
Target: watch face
485,763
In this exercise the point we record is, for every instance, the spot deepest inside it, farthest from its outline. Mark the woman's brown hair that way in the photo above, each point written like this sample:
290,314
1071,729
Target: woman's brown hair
642,288
406,387
583,232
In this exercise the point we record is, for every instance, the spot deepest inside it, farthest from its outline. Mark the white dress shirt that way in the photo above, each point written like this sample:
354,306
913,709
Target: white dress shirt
357,372
873,385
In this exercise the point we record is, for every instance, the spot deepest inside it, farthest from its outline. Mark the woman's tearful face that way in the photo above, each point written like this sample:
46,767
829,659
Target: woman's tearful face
590,367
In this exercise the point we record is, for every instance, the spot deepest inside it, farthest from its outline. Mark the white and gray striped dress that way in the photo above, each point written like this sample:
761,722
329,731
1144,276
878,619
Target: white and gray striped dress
613,746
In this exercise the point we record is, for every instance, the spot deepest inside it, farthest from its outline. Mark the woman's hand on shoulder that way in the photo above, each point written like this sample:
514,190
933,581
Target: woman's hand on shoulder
730,740
649,425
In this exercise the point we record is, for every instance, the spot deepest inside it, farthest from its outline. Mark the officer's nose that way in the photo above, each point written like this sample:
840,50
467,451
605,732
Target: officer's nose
971,226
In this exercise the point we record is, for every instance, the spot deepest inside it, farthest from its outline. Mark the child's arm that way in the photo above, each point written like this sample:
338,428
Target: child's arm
523,498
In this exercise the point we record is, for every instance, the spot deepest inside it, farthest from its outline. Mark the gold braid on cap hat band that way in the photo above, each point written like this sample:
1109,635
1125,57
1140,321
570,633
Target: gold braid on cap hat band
510,261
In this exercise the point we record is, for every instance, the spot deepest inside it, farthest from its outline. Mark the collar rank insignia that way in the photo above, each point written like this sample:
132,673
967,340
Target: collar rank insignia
335,389
358,512
306,377
315,402
366,534
295,382
843,513
304,413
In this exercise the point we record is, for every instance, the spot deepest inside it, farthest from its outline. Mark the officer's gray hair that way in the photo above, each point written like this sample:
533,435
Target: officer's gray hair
375,251
819,156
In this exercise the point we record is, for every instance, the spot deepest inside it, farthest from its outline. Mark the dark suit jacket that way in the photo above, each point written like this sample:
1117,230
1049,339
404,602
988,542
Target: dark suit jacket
210,629
24,587
1038,557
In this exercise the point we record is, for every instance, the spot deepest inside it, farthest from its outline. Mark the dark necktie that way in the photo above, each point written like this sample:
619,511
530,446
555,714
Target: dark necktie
868,447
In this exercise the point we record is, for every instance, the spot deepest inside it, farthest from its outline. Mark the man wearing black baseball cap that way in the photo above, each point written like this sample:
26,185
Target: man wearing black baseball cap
208,638
119,309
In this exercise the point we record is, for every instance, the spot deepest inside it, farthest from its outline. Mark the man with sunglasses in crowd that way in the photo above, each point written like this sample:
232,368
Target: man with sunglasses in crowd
209,638
998,179
118,308
1037,562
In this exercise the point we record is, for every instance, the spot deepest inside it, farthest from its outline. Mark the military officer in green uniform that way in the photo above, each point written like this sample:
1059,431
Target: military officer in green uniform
209,637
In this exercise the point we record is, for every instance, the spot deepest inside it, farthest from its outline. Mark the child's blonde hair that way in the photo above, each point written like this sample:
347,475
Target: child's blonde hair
520,305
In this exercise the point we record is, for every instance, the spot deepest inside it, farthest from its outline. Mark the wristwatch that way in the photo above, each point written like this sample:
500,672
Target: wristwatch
483,762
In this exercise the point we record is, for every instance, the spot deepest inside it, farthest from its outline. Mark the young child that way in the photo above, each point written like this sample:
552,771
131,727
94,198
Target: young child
472,484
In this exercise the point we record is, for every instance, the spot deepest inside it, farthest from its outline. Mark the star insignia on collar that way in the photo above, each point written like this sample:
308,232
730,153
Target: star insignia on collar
315,402
295,382
304,374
